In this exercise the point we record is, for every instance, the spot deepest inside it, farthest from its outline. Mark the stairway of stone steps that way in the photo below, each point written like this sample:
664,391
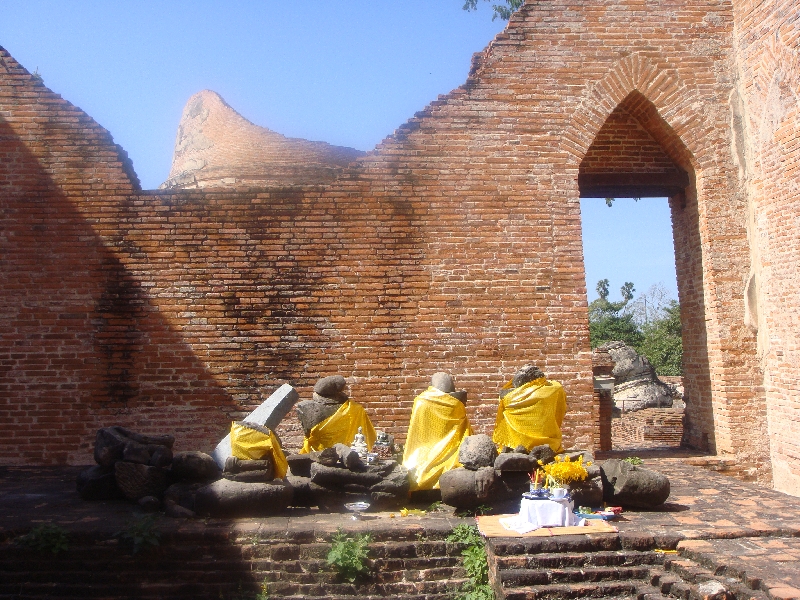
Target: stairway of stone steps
578,567
196,568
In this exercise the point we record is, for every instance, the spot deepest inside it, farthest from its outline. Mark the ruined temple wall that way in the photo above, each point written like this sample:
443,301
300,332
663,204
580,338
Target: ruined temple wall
454,246
766,121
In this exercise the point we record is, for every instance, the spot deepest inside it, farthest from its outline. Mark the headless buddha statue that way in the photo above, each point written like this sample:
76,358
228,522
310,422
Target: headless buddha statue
531,411
438,425
331,418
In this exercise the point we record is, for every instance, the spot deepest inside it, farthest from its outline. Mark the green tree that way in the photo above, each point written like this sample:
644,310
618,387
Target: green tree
502,11
662,343
608,322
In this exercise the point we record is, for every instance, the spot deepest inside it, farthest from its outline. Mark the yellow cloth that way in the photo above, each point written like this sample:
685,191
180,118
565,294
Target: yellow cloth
531,415
340,428
438,426
250,444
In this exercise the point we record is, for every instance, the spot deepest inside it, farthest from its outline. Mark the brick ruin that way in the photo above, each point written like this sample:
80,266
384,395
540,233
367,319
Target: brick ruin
454,245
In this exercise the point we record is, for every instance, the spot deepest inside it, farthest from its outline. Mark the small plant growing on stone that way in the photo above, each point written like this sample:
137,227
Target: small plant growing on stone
465,534
633,460
46,537
348,555
264,593
475,563
482,509
435,507
141,533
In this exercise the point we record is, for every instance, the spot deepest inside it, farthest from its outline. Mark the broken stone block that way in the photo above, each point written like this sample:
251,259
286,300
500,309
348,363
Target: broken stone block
477,451
226,498
349,457
258,476
137,481
149,504
269,415
543,453
183,495
324,475
587,493
299,464
113,443
98,483
631,486
515,461
467,488
194,466
303,496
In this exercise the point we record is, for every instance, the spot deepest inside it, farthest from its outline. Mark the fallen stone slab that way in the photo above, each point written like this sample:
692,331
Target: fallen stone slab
226,498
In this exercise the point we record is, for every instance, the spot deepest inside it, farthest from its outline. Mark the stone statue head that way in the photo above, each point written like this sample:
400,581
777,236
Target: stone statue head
443,382
525,375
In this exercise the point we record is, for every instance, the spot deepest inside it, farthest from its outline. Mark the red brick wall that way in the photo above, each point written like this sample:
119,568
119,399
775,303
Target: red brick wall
454,246
766,122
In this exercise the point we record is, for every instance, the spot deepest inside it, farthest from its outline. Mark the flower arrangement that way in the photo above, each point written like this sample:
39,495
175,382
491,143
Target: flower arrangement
561,472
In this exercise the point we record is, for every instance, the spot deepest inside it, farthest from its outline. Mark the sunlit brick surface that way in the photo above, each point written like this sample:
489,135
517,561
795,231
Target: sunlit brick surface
455,245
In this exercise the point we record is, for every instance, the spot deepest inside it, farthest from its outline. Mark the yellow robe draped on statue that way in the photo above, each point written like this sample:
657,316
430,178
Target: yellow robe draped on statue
531,415
250,444
340,428
438,426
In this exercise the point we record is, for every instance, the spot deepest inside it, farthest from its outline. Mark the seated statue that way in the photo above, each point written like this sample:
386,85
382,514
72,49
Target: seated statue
531,411
438,425
252,442
331,418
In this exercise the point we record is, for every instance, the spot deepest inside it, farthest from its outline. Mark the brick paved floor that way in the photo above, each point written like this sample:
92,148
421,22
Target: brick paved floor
737,527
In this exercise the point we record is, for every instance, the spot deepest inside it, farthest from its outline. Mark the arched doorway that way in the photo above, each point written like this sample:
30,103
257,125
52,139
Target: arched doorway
637,154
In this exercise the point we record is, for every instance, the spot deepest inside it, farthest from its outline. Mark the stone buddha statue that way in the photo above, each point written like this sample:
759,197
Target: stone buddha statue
331,417
531,411
438,425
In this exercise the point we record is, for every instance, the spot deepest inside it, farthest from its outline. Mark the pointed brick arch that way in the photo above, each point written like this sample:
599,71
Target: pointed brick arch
674,102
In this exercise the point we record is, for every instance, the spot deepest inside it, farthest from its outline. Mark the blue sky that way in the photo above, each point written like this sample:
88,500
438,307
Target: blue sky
347,73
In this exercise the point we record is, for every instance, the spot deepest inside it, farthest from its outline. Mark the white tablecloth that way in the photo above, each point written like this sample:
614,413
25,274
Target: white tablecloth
547,513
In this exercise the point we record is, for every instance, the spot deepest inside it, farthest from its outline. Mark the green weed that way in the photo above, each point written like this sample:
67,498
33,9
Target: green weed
46,537
348,555
141,533
475,563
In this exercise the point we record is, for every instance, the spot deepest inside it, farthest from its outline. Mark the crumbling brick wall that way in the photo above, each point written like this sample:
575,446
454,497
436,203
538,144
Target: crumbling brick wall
455,245
765,120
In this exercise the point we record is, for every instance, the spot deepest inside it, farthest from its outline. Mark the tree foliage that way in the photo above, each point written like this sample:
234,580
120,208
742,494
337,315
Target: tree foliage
653,330
501,11
662,343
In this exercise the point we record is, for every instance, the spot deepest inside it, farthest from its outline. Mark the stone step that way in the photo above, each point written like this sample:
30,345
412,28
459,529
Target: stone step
568,591
601,542
577,560
327,590
522,577
694,574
